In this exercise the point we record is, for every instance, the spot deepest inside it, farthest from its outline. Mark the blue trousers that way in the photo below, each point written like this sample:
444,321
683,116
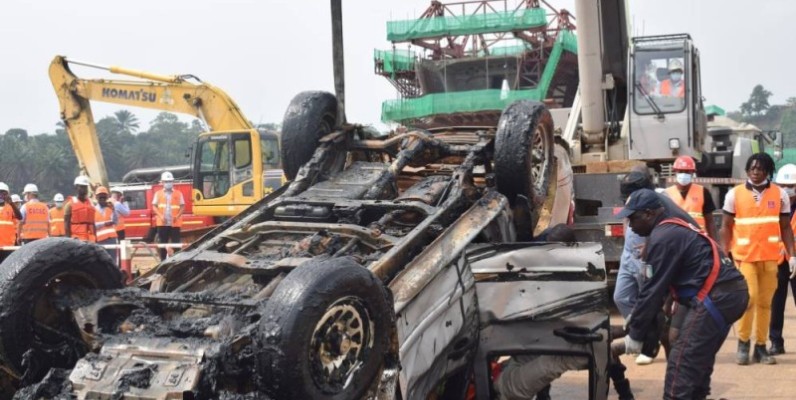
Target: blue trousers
690,363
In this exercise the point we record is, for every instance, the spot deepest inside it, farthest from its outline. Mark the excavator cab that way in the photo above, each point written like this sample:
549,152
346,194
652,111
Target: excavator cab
667,117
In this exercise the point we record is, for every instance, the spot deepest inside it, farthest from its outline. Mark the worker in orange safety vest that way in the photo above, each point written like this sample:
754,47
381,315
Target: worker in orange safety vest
79,213
57,216
9,217
35,222
674,86
105,221
755,226
168,205
694,199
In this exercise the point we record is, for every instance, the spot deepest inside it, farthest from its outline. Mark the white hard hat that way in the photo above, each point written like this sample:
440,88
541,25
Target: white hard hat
166,176
30,188
675,64
117,189
16,199
82,180
786,175
4,187
58,197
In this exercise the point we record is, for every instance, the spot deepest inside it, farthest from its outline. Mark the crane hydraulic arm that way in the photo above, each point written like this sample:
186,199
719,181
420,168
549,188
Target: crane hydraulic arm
220,188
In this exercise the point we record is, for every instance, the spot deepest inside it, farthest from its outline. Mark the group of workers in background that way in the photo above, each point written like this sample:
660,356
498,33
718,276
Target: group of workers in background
100,220
712,280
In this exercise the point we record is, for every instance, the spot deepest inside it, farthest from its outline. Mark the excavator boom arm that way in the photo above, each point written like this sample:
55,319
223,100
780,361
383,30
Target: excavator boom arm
158,92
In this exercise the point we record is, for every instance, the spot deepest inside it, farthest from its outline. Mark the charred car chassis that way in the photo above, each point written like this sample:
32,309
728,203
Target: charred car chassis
384,269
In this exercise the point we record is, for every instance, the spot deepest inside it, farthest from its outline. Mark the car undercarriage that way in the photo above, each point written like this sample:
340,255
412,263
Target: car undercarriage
375,273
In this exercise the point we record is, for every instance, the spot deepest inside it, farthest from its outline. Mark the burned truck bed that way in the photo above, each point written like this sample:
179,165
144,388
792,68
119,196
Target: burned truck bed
355,280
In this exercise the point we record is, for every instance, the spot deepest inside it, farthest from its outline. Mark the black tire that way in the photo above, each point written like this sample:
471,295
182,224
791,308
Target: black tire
524,159
310,116
302,318
27,277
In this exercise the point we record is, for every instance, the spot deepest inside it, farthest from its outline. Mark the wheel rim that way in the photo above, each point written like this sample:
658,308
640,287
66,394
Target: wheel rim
52,325
341,342
539,159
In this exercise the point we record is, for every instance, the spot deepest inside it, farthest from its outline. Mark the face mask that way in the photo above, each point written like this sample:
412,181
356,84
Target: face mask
676,76
683,178
168,185
790,191
59,204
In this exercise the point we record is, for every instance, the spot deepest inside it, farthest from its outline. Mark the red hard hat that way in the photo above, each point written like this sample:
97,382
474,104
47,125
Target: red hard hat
684,163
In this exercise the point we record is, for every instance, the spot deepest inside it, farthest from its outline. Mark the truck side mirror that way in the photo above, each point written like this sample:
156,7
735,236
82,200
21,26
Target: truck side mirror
189,151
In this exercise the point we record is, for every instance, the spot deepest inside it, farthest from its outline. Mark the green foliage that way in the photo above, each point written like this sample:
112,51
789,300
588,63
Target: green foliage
49,161
757,104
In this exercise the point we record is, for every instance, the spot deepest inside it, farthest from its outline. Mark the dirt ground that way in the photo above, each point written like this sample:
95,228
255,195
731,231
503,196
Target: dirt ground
730,381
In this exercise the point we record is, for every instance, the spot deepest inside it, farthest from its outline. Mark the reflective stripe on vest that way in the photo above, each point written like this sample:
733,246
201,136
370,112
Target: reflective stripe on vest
57,222
693,203
35,224
101,217
8,226
82,220
173,207
756,234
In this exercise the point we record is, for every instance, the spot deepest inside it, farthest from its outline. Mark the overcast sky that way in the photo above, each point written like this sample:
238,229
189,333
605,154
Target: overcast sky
263,52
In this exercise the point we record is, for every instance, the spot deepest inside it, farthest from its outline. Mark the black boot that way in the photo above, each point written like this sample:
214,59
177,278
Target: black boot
761,355
616,372
623,390
544,394
742,356
777,348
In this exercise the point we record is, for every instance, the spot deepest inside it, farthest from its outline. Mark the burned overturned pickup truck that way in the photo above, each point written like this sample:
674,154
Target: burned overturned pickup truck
387,268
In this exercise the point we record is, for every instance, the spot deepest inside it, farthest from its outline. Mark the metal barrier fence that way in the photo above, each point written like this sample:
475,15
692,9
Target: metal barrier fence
127,249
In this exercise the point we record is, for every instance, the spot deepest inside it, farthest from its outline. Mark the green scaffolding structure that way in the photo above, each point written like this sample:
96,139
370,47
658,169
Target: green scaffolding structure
477,100
395,60
507,21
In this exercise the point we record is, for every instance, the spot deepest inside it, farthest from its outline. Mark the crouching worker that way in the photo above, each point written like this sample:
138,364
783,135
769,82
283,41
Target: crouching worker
684,259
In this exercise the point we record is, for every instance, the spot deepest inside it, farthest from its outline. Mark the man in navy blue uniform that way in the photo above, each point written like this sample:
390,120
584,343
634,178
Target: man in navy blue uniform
685,260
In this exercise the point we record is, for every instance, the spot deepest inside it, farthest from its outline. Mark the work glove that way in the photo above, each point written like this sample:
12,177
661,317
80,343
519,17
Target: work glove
792,265
632,346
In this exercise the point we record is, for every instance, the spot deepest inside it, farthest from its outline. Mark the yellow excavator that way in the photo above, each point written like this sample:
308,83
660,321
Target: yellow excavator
233,164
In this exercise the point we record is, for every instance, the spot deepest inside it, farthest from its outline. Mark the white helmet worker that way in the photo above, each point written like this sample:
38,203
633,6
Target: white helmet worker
166,177
82,180
58,197
15,198
30,188
4,187
786,175
675,65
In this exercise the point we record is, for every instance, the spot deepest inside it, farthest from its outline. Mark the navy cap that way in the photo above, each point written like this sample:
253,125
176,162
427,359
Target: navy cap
642,199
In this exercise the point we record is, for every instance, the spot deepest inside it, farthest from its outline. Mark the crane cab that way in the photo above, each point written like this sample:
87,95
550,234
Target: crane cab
667,117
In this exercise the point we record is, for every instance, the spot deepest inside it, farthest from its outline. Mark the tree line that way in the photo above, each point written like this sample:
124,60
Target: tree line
758,111
49,161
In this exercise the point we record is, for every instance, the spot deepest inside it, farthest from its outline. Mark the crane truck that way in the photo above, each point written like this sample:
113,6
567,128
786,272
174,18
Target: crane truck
621,118
233,164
